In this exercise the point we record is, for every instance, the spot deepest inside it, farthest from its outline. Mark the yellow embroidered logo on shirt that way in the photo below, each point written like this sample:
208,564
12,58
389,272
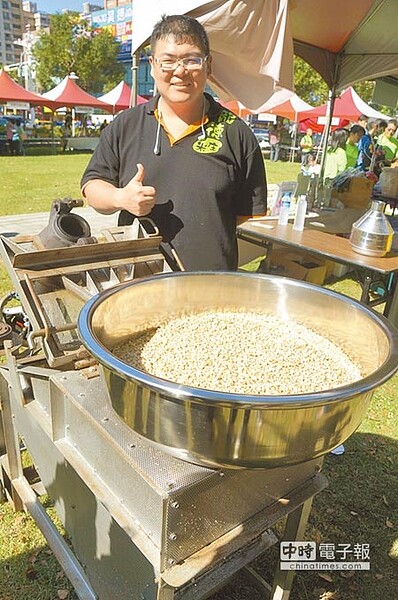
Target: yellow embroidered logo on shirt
214,131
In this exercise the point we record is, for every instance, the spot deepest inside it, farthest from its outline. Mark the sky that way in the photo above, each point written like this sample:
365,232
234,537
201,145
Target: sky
52,6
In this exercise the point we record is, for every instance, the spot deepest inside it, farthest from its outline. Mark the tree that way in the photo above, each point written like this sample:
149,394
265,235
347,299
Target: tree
312,88
72,46
309,85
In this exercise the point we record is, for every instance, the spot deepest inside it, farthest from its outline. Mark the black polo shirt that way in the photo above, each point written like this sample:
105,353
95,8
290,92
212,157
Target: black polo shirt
202,185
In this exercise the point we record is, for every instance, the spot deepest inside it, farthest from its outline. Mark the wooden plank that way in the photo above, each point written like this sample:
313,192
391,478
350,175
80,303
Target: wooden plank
75,268
85,254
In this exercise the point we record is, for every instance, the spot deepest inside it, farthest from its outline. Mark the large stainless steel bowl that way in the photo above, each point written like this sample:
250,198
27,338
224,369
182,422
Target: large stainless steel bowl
228,430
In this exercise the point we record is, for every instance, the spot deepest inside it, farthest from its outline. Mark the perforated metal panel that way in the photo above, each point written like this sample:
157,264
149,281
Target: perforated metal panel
178,506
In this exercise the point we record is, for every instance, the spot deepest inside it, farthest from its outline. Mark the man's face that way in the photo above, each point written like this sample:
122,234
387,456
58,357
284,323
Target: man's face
390,130
357,136
180,84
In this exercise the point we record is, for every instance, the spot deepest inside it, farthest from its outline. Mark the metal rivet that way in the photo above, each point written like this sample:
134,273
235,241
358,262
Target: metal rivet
173,536
175,504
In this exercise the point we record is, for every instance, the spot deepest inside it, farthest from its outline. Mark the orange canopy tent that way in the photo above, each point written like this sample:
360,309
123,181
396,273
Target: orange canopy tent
285,103
236,107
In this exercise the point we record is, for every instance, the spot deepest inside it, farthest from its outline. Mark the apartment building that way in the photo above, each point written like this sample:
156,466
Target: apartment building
12,26
115,3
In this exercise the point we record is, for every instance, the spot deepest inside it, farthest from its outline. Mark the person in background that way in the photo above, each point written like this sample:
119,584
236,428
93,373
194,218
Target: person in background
20,137
103,125
310,166
306,145
366,145
67,131
336,158
9,133
182,159
274,140
363,121
388,143
351,147
14,138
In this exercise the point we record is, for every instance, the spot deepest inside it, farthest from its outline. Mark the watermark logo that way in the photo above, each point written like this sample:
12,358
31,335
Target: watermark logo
310,556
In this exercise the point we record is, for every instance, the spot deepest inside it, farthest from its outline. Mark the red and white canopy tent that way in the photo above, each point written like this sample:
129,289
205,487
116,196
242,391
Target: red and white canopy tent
348,107
120,97
69,94
10,91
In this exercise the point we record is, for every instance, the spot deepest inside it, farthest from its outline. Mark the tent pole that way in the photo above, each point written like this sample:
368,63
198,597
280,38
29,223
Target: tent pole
73,121
52,133
294,138
329,114
134,78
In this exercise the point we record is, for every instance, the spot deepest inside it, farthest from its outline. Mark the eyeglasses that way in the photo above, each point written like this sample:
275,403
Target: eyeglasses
190,63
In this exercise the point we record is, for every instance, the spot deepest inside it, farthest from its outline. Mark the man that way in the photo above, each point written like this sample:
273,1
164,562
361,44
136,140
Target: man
306,146
366,144
388,142
363,121
351,147
181,159
274,140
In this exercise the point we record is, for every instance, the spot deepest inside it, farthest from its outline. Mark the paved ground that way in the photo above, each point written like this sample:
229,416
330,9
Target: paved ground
33,223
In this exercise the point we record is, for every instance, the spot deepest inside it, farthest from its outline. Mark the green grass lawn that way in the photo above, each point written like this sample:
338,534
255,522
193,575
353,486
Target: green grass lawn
31,183
359,506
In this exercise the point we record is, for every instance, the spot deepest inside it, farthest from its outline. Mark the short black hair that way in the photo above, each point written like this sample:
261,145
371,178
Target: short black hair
357,129
183,29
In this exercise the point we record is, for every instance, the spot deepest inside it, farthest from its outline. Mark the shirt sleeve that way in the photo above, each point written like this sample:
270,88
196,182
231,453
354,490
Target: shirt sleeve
104,163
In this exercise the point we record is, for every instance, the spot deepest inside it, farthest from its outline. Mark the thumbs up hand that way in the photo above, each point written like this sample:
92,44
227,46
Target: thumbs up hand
136,197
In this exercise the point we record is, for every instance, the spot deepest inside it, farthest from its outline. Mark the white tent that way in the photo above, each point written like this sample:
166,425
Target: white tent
250,41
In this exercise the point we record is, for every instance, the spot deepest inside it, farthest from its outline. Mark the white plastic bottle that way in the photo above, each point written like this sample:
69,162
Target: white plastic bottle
301,210
284,210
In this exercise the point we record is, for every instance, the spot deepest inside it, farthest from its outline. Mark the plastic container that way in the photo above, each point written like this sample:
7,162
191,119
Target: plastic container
372,234
389,182
301,209
284,210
